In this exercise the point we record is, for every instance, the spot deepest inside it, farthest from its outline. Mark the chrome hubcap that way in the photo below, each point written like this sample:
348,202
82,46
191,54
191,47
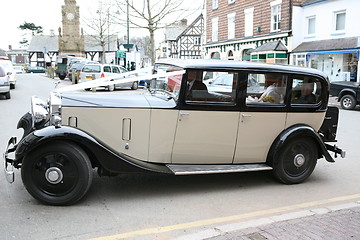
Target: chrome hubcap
299,160
347,102
54,175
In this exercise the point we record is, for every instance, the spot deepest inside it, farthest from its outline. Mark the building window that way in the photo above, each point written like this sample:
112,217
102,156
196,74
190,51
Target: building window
215,22
311,21
275,15
231,1
215,4
249,21
40,55
197,41
231,26
340,21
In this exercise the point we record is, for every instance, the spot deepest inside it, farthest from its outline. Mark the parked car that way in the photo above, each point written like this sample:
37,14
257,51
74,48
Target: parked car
76,68
105,70
4,83
19,69
7,65
348,93
35,70
179,127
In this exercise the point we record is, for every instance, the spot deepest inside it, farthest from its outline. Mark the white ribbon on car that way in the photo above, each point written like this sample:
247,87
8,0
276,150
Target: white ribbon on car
118,78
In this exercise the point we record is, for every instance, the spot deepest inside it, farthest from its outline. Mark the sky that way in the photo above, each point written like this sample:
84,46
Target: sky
45,13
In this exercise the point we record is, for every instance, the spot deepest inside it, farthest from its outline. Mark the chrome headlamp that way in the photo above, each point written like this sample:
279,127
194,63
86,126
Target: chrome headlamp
55,109
39,112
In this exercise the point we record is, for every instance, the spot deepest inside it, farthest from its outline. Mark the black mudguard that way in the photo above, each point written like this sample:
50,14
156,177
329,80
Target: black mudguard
294,132
98,152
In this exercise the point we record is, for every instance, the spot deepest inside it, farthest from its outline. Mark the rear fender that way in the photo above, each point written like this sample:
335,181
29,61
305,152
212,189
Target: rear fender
296,131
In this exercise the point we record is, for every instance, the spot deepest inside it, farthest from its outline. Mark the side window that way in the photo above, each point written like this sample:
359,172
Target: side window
211,86
305,90
266,88
107,69
115,70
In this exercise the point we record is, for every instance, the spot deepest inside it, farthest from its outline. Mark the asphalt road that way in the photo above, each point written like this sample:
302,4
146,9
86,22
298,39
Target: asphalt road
155,206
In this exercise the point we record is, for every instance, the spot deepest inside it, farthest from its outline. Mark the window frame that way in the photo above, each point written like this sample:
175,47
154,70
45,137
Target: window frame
308,19
231,23
335,23
215,4
275,10
215,29
249,22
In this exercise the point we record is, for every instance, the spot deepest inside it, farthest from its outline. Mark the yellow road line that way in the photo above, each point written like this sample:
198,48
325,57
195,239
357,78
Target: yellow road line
212,221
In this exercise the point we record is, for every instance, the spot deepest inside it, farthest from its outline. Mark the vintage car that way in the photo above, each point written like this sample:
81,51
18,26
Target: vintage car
178,127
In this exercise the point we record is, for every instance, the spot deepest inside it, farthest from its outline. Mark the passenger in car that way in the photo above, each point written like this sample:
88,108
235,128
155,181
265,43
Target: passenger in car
307,95
275,91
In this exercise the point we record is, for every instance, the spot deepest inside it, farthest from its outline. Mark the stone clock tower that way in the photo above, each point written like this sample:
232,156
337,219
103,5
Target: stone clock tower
71,41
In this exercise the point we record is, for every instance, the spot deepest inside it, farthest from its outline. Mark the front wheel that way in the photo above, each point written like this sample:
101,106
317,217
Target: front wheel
59,173
296,161
348,102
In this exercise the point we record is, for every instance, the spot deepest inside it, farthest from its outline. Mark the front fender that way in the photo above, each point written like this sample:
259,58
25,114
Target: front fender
295,131
346,91
99,153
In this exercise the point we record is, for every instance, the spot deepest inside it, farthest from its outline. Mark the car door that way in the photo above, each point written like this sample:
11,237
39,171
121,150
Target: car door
207,123
262,118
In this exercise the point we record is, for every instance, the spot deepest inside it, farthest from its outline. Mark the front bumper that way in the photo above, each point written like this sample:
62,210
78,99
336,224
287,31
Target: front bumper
9,163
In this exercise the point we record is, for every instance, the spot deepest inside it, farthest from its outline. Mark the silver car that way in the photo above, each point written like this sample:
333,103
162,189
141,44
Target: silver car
4,83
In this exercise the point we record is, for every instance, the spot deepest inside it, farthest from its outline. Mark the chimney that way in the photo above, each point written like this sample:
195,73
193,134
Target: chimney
52,32
10,47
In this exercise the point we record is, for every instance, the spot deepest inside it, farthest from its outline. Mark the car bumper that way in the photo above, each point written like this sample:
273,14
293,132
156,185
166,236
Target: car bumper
9,163
4,89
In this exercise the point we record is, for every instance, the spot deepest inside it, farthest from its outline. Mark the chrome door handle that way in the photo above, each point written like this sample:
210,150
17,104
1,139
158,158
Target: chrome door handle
184,114
244,115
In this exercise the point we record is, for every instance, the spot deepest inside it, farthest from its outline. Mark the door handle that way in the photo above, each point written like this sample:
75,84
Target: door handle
244,115
184,114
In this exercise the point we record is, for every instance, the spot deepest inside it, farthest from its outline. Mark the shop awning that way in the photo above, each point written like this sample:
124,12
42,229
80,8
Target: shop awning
331,46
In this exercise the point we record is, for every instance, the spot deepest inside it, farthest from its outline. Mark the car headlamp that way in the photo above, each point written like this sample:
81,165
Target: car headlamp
39,112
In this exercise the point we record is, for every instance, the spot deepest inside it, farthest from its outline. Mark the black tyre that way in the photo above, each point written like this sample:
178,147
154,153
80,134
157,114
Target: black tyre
59,173
62,77
348,102
12,86
296,161
135,85
7,95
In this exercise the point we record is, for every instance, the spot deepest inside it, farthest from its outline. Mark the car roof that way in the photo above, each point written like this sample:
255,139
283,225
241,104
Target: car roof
239,65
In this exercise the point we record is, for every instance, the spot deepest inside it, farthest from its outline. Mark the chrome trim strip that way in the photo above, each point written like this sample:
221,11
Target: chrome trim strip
179,169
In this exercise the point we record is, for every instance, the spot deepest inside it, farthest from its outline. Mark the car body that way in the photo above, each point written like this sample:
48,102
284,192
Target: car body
93,71
348,93
4,83
19,69
10,71
35,69
77,66
179,127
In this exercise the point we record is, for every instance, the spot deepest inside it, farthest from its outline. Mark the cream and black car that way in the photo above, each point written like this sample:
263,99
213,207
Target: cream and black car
180,126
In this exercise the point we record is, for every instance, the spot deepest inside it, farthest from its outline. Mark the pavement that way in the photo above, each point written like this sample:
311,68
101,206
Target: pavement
336,222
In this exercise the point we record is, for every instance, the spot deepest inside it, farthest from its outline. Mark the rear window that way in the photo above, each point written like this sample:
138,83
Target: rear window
92,68
2,72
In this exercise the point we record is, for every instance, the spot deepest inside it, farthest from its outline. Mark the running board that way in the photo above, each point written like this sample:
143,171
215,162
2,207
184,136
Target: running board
179,169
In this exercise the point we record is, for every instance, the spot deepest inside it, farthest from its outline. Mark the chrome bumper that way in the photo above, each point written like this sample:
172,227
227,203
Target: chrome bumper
9,163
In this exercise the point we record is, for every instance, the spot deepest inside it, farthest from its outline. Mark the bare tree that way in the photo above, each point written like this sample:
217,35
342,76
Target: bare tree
152,15
100,25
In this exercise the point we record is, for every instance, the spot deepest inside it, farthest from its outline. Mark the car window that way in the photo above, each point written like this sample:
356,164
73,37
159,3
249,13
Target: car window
115,70
305,90
266,88
122,70
92,68
107,69
168,84
211,86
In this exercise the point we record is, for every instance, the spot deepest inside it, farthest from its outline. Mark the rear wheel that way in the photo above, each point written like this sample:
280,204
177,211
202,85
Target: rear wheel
135,86
111,88
12,86
296,161
7,95
348,102
59,173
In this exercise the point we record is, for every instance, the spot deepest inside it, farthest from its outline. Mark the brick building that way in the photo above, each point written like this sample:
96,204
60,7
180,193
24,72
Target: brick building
256,30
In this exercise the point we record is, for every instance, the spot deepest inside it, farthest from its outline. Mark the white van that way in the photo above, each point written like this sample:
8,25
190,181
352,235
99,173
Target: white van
95,71
9,70
4,83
